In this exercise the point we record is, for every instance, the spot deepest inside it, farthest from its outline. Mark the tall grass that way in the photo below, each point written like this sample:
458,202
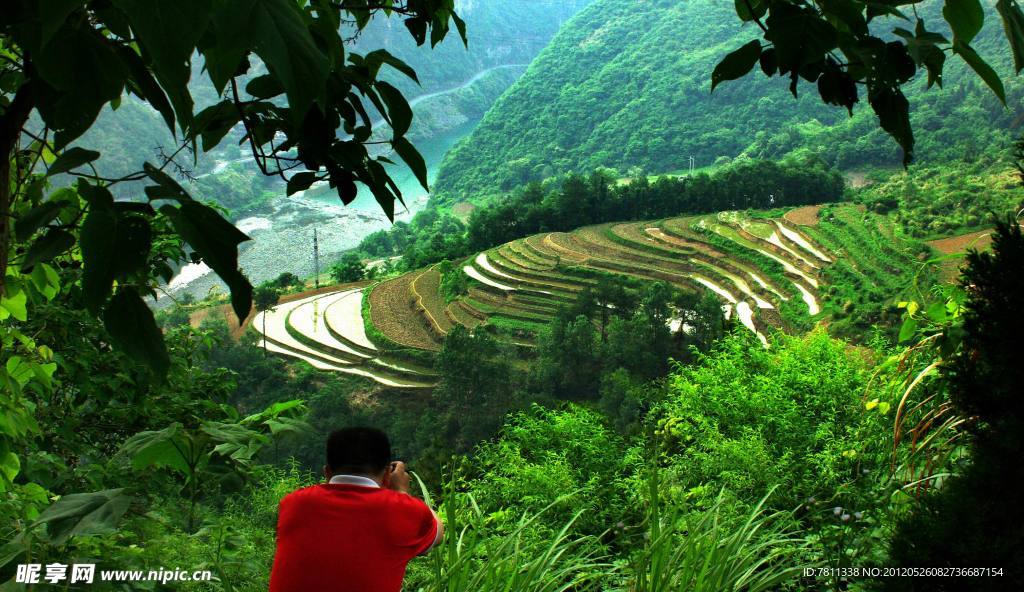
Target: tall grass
708,550
478,555
714,553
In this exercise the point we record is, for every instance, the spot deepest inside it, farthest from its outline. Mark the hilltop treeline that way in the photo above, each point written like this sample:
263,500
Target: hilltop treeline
578,201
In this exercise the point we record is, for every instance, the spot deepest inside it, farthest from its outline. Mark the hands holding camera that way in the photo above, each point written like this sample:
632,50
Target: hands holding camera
397,477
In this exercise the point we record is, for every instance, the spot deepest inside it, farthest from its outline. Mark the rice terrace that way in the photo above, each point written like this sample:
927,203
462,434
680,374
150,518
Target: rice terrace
770,272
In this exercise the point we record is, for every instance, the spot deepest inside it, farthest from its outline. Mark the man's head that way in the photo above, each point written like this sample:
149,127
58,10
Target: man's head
358,451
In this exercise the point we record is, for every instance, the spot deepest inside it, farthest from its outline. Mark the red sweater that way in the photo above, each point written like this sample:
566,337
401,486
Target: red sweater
348,538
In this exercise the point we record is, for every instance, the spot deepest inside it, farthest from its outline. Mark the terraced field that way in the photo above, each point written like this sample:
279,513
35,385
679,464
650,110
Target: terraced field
769,274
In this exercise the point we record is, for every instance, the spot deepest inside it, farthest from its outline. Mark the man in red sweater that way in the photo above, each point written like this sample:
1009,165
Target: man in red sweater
357,532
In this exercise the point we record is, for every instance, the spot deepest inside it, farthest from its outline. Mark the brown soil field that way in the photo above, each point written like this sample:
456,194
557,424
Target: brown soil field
393,313
805,216
427,290
958,244
949,269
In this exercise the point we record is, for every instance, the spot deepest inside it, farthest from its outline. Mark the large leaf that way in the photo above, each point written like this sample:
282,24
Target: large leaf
55,242
413,158
276,31
300,182
214,122
159,448
71,159
98,241
82,73
132,326
31,221
1013,26
736,64
13,303
216,240
168,33
166,187
84,514
52,14
147,86
398,108
981,68
893,111
965,17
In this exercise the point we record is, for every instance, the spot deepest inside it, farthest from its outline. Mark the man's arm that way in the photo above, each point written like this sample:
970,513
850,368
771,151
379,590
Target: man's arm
398,479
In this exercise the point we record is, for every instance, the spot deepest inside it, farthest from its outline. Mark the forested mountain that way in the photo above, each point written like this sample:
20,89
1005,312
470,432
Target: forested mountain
627,84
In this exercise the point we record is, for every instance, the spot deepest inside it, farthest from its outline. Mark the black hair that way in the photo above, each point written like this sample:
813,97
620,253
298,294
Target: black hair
358,450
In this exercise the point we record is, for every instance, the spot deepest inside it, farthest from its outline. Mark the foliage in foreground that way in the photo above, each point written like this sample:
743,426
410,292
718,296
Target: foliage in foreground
975,518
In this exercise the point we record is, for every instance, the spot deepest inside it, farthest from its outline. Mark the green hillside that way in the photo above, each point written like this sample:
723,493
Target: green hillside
627,84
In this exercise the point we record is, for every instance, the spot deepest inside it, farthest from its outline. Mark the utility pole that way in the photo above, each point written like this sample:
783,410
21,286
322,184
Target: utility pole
691,166
316,260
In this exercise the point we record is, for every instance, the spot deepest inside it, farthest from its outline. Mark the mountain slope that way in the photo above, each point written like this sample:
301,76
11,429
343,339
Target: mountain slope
627,83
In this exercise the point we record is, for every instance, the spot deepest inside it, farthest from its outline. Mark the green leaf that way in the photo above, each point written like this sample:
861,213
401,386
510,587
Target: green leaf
168,33
132,326
284,43
264,87
132,244
158,448
398,108
34,219
52,14
908,329
736,64
460,26
748,10
893,112
287,425
981,68
52,244
936,312
300,182
84,514
1013,26
45,280
147,86
13,304
376,58
98,242
82,73
965,18
413,159
10,466
167,188
216,240
71,159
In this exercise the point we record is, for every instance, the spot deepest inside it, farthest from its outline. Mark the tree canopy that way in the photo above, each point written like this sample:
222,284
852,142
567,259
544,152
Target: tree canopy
284,74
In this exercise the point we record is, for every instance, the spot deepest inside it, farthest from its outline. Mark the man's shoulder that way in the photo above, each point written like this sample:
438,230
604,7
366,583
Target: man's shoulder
303,493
